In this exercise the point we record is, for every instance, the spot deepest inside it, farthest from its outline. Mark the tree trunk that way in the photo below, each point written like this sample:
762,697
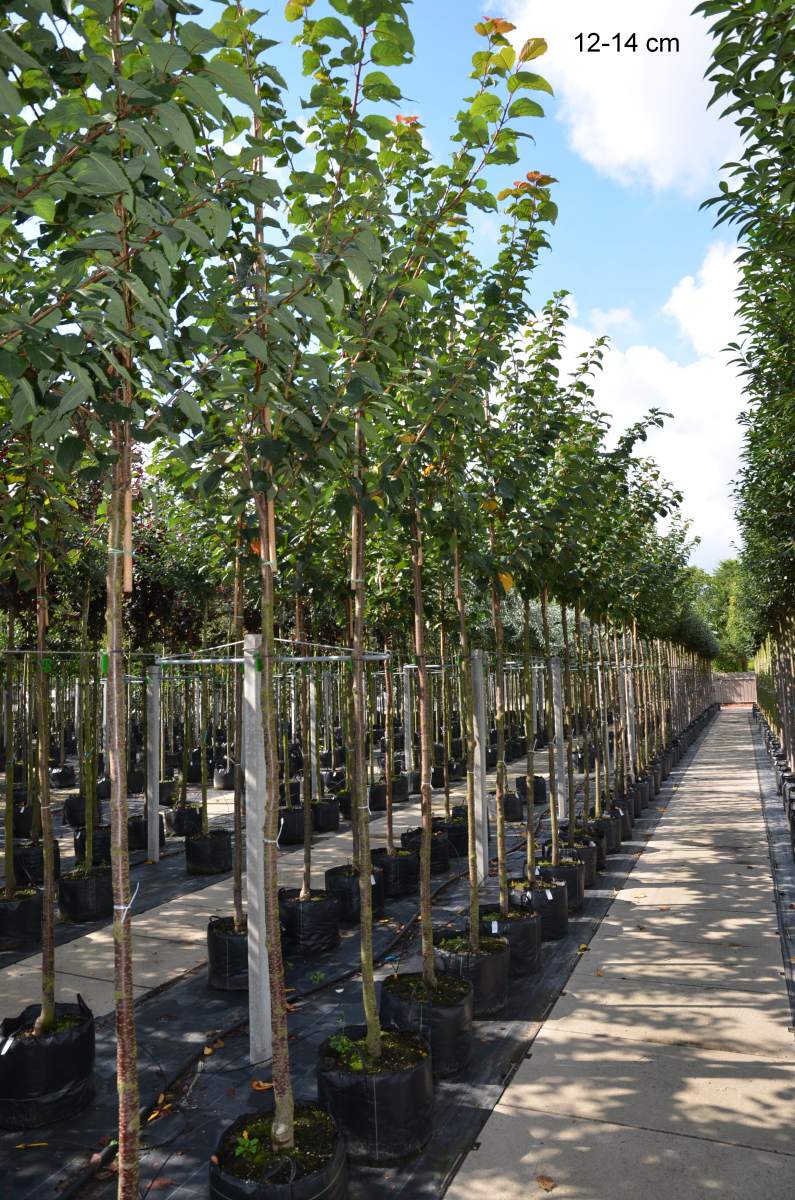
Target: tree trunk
306,750
237,734
530,734
8,855
499,706
550,719
46,1018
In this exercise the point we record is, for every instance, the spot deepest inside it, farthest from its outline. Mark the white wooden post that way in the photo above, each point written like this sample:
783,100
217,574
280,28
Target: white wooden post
408,719
632,725
313,742
561,778
153,676
481,744
259,995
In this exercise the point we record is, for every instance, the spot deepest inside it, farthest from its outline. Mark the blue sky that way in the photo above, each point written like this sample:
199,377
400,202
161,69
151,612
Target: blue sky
635,151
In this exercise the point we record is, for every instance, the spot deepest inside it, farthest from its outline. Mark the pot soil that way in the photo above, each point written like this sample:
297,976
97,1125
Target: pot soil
521,928
310,926
227,955
20,918
45,1079
443,1016
384,1106
209,853
342,883
185,821
572,873
245,1167
137,832
487,970
100,845
325,816
291,826
440,848
401,870
29,863
86,896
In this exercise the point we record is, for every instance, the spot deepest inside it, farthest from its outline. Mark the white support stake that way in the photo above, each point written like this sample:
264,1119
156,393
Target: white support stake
481,746
561,778
313,742
408,720
153,676
259,995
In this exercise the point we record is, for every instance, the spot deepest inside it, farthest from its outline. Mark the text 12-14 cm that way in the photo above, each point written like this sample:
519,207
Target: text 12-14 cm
594,43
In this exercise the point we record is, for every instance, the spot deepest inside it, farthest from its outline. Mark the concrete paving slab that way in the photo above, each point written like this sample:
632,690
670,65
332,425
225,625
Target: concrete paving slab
520,1154
702,1094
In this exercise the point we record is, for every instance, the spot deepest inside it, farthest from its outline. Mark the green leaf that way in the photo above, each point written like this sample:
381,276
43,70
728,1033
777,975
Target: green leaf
99,175
295,9
257,346
10,103
190,406
174,121
68,452
234,81
11,365
533,48
487,105
44,207
196,38
529,81
168,58
378,86
525,107
23,404
359,268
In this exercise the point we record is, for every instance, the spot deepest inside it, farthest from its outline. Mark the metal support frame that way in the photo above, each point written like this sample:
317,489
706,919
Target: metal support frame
481,745
259,995
153,678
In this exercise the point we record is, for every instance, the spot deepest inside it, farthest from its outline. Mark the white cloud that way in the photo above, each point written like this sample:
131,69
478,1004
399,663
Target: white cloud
704,307
640,118
698,449
604,320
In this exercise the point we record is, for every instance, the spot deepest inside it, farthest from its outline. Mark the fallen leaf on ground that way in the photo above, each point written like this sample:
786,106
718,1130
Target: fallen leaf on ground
218,1045
208,1050
583,948
158,1184
599,972
664,908
261,1085
29,1145
545,1183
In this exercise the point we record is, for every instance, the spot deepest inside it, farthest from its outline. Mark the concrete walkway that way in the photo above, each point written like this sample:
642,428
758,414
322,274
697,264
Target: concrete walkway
666,1069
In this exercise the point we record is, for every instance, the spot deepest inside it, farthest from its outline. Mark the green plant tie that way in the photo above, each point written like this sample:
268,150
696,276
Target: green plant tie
104,665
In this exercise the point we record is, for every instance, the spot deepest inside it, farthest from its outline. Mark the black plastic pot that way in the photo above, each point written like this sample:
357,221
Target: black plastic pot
74,810
342,883
23,820
522,931
45,1079
137,834
329,1183
573,875
385,1116
401,871
166,795
610,822
623,811
227,955
184,821
223,779
325,816
63,777
512,807
457,836
20,918
487,971
400,788
635,800
584,850
291,826
310,926
539,788
209,853
135,782
103,787
447,1026
551,903
376,797
86,897
440,848
29,864
101,845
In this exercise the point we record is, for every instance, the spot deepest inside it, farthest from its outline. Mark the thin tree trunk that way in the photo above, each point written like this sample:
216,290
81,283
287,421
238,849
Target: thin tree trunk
530,734
499,706
46,1018
237,736
303,650
550,719
389,734
8,858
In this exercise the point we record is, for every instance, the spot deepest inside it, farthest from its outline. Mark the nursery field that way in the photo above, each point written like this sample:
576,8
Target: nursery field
371,825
